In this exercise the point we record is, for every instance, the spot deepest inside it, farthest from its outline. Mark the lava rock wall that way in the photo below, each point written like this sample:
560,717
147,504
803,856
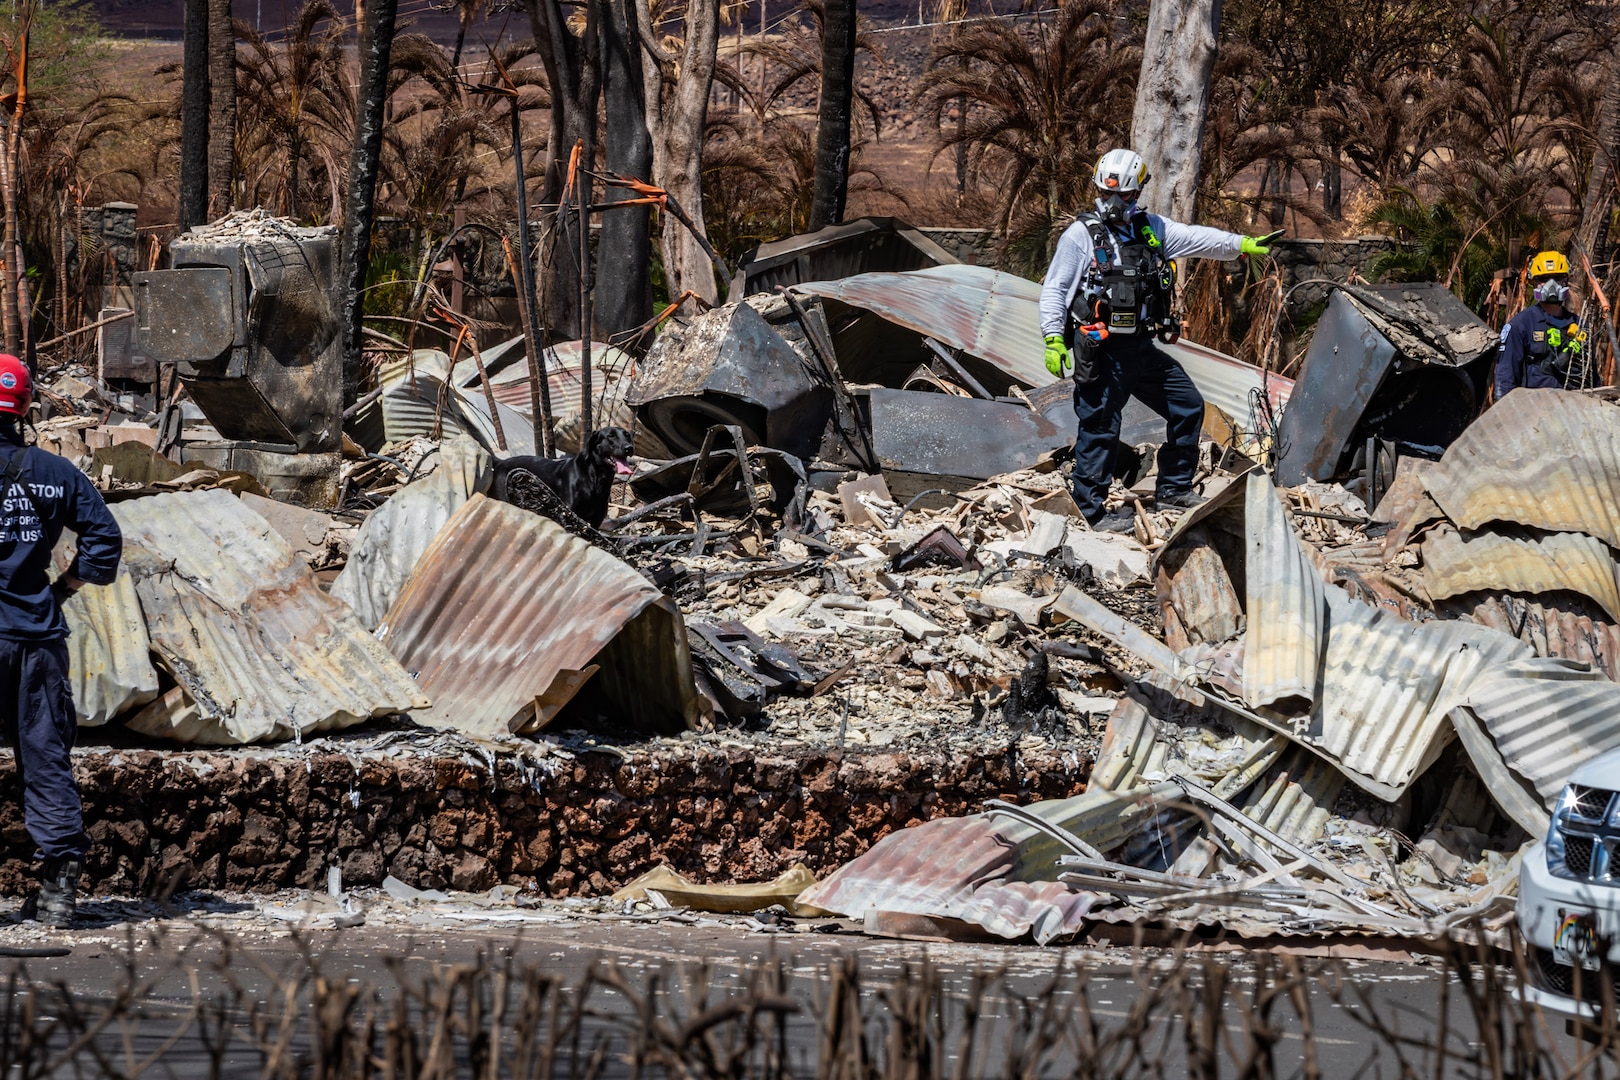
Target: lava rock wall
254,821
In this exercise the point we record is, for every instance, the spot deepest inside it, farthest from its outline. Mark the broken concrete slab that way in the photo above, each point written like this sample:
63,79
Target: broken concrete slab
855,511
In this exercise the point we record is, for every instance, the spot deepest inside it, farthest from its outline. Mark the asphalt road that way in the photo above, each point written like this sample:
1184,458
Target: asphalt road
1125,1011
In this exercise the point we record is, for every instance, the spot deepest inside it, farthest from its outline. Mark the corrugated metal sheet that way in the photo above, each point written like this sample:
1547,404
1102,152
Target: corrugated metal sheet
1387,685
996,317
1284,605
1547,717
1518,561
1553,625
240,622
990,871
1407,505
109,654
1379,687
1549,459
412,386
953,868
506,613
1298,799
394,536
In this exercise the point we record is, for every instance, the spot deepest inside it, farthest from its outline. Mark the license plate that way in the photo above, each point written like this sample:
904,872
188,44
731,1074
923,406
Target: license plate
1576,942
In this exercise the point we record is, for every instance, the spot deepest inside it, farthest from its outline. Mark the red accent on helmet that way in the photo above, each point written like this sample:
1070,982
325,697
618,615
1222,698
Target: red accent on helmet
16,386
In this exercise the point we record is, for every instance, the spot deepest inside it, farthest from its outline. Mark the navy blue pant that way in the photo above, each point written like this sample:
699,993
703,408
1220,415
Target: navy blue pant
36,706
1134,366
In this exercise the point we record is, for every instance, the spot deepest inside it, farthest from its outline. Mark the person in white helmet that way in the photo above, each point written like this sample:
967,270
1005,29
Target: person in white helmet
1105,298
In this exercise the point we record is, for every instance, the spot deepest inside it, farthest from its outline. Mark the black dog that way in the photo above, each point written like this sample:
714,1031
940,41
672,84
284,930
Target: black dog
582,481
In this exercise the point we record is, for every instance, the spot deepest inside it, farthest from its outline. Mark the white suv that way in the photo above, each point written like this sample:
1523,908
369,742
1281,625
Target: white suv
1569,893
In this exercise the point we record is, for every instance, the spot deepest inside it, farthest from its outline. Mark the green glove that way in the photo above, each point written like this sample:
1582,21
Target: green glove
1057,355
1259,245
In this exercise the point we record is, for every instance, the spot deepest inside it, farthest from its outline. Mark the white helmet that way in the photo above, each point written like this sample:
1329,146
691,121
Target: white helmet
1119,177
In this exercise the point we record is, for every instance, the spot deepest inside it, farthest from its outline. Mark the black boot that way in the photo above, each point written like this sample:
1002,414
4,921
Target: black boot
58,895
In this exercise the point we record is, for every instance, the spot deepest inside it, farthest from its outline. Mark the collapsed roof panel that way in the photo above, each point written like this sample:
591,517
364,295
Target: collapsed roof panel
506,616
994,319
242,625
1520,561
1501,470
394,536
109,654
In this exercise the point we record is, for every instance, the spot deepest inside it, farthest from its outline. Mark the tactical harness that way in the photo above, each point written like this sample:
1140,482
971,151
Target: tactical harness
1129,285
1562,354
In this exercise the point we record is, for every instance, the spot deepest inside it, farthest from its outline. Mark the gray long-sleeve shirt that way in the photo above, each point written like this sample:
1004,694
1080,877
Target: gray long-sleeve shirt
1074,256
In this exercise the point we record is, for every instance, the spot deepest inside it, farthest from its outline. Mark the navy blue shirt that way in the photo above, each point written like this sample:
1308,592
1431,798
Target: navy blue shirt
1525,349
65,499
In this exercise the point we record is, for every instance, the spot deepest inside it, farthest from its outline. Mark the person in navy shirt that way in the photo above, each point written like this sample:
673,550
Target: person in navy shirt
1544,345
44,494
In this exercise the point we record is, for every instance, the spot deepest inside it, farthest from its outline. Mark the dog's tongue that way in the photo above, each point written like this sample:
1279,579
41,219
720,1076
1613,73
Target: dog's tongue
622,468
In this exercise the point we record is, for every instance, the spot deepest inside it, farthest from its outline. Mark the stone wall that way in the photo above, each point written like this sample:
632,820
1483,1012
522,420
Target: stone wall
1302,260
258,820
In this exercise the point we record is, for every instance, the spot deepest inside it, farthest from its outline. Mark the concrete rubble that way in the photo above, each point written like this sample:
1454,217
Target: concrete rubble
1279,714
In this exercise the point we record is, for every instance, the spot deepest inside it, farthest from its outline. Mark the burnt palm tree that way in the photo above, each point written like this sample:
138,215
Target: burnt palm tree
295,111
1042,100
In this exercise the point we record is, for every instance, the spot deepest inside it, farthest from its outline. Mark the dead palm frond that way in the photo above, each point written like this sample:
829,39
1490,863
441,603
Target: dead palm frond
1042,99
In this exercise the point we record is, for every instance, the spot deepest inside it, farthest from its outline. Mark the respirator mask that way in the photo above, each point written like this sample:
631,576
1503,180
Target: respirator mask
1115,208
1551,291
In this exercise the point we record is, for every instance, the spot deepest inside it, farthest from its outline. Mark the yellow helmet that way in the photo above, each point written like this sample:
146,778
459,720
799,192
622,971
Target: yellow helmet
1549,264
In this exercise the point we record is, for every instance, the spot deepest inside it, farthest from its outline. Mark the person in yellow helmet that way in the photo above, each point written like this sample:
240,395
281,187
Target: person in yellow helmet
1544,345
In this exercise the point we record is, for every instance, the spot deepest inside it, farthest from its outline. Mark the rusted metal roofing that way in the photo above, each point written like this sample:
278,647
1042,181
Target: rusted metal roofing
1283,606
506,616
986,870
1377,688
109,655
1571,627
1406,505
394,536
242,625
996,317
953,868
1501,469
1520,561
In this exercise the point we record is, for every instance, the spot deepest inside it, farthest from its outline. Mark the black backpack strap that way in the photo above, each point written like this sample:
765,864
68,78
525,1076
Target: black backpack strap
14,478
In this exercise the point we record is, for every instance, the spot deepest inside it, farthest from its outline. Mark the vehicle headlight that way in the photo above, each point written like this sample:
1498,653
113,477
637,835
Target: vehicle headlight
1555,832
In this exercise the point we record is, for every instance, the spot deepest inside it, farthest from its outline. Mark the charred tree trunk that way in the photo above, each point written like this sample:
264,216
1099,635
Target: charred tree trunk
1333,185
573,70
1602,199
623,280
193,208
1172,98
836,110
677,94
376,41
14,294
222,109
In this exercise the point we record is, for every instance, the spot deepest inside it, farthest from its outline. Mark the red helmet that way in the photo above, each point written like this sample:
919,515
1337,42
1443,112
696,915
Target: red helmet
16,385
